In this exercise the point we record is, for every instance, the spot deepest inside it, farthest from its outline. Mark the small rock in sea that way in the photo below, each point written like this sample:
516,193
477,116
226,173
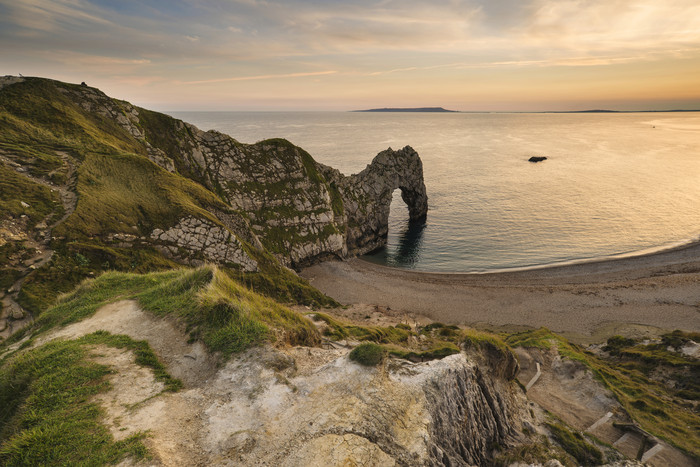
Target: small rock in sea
537,159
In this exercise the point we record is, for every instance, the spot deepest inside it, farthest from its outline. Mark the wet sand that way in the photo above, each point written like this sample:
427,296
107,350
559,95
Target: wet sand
588,302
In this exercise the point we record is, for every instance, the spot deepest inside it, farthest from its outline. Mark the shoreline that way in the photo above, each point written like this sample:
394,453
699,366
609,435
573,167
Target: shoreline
650,251
639,295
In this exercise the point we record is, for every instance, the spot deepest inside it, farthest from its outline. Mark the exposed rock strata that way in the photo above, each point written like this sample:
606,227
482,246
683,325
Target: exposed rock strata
301,211
443,412
196,236
367,196
282,200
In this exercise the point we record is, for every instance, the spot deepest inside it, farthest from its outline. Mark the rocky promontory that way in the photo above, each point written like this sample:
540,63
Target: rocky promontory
300,210
108,185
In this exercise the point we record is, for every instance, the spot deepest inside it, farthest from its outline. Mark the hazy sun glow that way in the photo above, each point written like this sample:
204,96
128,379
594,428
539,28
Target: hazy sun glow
341,55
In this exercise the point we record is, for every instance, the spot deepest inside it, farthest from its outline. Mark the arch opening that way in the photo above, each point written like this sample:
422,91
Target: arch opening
405,234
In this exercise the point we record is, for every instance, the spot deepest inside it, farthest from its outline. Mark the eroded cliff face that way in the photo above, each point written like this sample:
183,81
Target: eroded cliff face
367,196
108,185
301,406
299,210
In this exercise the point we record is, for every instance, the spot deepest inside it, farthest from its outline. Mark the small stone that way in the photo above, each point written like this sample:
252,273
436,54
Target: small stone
17,312
553,463
24,205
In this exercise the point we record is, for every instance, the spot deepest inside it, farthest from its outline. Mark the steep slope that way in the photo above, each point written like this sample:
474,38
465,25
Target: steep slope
190,367
107,185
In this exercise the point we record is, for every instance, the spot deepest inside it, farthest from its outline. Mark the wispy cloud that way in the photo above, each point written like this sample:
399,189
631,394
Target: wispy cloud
358,42
260,77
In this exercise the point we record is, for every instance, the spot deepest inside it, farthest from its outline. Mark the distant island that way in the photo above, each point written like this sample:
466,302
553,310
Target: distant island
602,111
443,110
412,109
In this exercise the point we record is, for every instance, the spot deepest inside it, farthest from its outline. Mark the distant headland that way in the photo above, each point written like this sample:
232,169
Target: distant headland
410,109
592,111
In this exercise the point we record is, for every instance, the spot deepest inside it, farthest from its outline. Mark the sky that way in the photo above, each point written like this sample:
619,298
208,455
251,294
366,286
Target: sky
469,55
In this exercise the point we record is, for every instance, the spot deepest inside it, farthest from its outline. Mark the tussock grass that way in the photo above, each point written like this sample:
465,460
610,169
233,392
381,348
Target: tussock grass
46,417
338,330
129,193
368,354
16,188
649,403
37,118
576,445
279,283
431,342
436,352
75,261
535,453
226,316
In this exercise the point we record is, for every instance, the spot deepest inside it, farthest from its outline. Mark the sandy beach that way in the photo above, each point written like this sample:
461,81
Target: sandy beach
588,302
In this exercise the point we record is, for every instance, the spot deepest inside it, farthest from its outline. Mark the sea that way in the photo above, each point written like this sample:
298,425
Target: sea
613,184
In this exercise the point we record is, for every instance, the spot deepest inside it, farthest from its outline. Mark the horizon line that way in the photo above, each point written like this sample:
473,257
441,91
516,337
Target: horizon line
402,110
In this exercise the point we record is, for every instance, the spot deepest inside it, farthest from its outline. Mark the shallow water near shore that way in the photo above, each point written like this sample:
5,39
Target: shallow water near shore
612,184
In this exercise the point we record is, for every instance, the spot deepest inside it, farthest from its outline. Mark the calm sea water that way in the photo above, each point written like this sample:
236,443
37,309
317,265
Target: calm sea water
613,183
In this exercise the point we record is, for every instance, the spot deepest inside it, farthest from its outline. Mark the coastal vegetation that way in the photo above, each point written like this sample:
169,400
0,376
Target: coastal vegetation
368,354
656,386
90,189
47,412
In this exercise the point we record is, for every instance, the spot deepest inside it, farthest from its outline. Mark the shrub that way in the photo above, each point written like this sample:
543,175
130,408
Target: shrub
576,445
617,343
368,354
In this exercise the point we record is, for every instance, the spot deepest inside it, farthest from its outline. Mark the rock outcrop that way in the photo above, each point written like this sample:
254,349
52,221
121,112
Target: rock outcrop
196,236
139,189
367,196
301,211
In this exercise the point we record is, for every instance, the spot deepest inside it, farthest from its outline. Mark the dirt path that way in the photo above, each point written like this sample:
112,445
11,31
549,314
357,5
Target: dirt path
14,317
569,390
136,401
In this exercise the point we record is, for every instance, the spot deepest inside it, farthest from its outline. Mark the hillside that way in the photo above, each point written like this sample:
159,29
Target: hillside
151,315
91,183
189,367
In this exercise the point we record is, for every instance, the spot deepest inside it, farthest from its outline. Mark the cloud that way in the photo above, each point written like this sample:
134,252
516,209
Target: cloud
260,77
359,42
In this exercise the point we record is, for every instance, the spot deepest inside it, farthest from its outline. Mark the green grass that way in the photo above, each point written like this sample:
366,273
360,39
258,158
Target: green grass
129,193
75,261
537,453
651,404
46,413
16,188
368,354
226,316
279,283
431,342
36,114
338,330
438,351
576,445
541,338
